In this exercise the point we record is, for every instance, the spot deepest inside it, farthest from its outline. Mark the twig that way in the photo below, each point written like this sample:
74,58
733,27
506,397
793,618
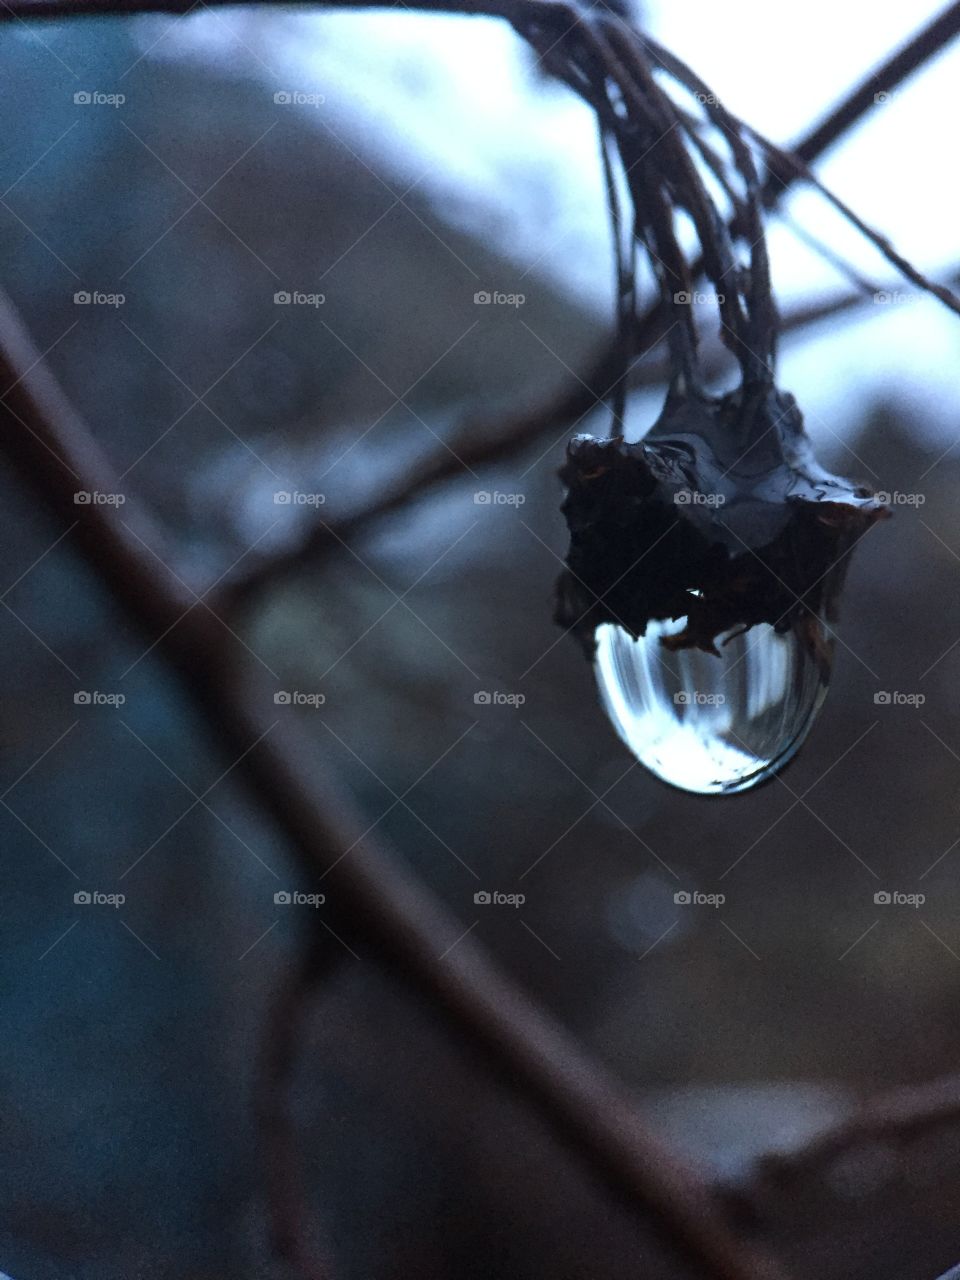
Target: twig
783,162
398,917
481,444
926,44
918,50
287,1201
881,242
895,1117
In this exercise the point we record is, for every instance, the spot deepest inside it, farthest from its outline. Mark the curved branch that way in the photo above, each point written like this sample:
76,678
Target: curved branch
402,922
896,1117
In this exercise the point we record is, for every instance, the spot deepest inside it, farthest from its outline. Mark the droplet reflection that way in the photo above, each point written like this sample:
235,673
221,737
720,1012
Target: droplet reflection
708,724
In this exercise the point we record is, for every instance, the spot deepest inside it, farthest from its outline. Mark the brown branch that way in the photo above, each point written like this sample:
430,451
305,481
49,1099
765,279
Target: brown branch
484,444
921,48
287,1201
896,1117
804,173
402,922
918,50
784,162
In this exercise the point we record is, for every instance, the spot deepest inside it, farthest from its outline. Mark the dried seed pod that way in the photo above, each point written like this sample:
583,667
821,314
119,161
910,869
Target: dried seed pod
704,566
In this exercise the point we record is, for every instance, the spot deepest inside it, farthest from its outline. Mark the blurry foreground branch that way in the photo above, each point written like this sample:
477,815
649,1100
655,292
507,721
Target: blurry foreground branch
383,903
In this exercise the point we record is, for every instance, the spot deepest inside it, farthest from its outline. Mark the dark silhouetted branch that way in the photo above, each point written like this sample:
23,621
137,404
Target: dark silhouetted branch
403,923
895,1118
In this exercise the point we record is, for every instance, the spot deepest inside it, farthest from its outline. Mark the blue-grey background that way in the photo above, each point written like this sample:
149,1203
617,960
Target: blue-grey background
130,1032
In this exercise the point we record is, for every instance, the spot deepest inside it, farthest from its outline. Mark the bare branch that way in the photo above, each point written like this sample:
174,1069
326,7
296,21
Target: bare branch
919,50
896,1117
402,921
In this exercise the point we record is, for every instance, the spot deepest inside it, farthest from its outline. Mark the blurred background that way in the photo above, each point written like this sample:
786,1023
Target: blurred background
250,244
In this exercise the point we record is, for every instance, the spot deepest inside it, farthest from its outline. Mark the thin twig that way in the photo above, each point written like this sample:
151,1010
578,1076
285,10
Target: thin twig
480,444
477,444
896,1117
858,102
931,40
287,1201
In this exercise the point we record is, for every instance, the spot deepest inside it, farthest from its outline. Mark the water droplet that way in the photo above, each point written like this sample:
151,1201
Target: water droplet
713,724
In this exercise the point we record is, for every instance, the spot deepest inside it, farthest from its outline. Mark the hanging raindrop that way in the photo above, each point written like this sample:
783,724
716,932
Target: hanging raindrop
705,562
713,725
703,576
